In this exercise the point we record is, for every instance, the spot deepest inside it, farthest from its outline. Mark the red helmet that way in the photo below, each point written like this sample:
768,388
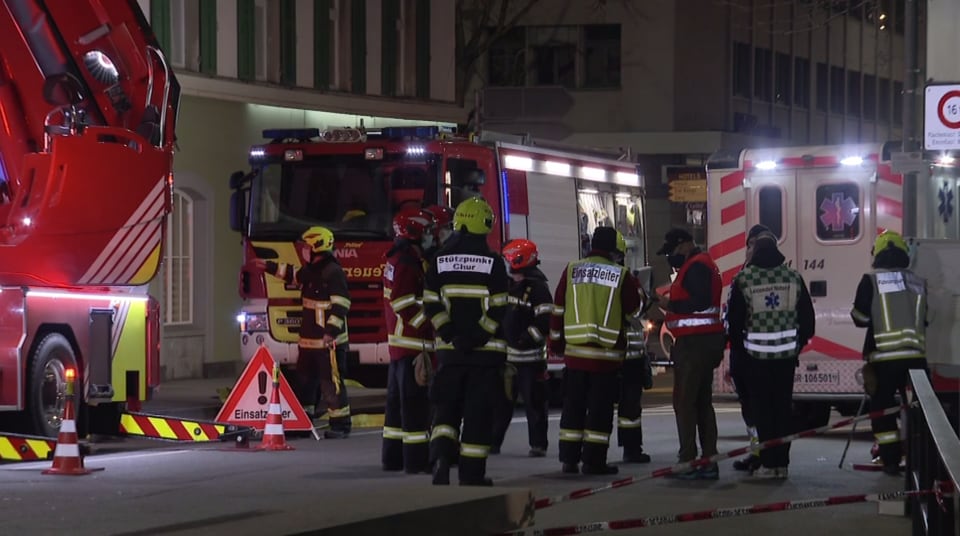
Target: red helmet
520,254
442,219
413,223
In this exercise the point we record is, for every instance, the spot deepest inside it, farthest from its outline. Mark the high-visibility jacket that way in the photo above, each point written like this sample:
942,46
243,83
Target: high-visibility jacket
326,299
898,315
408,332
593,310
771,296
700,322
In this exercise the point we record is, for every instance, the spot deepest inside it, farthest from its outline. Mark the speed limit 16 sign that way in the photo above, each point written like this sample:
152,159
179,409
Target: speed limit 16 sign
941,118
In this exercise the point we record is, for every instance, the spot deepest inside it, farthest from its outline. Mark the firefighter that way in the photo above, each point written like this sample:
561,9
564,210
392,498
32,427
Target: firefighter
323,329
443,227
891,302
635,376
592,299
770,319
750,462
465,297
407,413
693,317
526,327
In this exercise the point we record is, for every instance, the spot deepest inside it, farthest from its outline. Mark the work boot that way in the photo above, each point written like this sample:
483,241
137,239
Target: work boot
485,482
891,469
391,467
441,472
571,468
335,434
604,469
537,452
748,464
638,456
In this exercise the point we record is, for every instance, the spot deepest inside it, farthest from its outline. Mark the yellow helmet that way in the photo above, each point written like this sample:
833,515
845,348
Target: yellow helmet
889,239
473,215
319,239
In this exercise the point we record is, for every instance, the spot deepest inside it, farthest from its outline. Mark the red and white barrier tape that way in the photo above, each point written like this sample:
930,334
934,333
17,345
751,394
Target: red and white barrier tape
723,513
681,467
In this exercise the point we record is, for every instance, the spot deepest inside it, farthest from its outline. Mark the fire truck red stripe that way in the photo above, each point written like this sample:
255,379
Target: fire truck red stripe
733,212
731,181
888,206
728,246
727,277
177,427
210,431
146,426
887,175
830,348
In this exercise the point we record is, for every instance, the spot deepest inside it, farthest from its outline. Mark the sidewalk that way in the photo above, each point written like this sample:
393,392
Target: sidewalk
201,398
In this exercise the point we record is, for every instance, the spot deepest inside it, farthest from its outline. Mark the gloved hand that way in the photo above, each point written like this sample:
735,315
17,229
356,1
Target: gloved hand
480,336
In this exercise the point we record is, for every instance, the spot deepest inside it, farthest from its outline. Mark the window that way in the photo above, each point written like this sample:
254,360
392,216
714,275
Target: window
883,110
782,95
554,55
288,43
464,178
836,90
770,205
821,87
741,70
801,82
853,93
869,96
260,52
178,263
602,55
897,103
323,44
507,59
208,36
763,66
838,211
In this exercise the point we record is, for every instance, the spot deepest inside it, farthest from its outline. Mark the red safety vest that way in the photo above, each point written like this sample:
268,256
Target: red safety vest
700,322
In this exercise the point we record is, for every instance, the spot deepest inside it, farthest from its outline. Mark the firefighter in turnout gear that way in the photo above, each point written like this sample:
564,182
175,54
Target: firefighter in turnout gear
592,300
465,297
693,317
635,376
891,302
770,319
323,328
525,328
407,413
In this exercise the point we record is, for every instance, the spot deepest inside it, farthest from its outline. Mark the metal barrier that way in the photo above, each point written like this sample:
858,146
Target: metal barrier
933,462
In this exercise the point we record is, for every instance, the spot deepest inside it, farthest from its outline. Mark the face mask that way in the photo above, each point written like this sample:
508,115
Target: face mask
676,261
426,242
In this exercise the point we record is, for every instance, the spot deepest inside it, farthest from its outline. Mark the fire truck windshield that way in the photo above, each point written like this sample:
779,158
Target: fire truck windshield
352,196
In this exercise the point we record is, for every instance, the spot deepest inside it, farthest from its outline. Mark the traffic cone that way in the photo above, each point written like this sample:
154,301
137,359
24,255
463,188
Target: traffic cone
273,438
66,457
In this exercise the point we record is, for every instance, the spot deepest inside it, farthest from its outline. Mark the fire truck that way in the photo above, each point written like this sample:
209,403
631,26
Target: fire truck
88,107
826,205
353,181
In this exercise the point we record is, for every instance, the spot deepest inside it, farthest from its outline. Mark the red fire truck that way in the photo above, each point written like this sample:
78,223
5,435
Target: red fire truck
353,181
87,113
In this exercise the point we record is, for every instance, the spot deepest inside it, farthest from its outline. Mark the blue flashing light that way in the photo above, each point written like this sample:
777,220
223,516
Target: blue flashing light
279,134
506,197
418,133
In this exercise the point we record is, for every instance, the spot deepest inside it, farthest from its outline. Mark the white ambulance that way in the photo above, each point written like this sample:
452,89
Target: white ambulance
827,204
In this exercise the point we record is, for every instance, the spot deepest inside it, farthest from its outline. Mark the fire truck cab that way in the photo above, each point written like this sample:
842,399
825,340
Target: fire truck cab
354,181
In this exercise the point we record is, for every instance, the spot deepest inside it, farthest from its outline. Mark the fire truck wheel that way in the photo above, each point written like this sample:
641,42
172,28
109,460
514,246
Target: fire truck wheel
48,386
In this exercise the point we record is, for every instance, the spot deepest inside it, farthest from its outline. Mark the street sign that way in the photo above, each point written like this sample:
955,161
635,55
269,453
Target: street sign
909,162
941,117
688,191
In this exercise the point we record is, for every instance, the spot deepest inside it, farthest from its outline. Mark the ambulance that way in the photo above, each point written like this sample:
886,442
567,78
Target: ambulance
826,205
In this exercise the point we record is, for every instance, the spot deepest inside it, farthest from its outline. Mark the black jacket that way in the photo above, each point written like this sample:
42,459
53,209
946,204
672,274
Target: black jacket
526,324
321,280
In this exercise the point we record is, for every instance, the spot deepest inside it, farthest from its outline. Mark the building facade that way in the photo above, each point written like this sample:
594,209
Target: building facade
249,65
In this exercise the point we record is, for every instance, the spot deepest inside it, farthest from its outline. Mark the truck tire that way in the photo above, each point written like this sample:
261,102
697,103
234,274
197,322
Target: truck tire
48,386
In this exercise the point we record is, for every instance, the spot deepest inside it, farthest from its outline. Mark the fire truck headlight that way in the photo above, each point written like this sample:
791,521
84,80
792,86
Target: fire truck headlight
250,322
852,161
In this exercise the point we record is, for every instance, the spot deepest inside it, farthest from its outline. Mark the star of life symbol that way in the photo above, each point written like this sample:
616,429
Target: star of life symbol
772,300
838,212
945,208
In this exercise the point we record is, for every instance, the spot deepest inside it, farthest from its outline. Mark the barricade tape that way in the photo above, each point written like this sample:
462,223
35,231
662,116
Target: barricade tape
681,467
725,513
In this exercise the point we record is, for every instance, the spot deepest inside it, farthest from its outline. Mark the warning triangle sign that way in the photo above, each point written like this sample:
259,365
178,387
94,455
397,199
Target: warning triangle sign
249,400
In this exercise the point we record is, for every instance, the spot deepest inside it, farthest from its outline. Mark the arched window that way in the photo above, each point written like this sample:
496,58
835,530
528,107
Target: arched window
178,259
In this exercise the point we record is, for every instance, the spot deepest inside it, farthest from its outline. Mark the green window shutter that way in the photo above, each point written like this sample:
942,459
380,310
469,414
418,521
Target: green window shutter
208,36
322,32
160,22
288,42
358,46
389,47
423,49
246,47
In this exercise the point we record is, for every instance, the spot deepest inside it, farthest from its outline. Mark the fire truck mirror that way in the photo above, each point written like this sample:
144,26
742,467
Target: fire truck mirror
62,89
237,180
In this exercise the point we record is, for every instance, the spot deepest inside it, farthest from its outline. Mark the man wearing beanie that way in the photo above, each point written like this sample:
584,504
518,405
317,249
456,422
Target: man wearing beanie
770,319
693,317
737,372
594,297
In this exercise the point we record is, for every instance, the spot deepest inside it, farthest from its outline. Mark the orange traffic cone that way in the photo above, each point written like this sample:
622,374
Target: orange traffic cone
273,438
66,457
